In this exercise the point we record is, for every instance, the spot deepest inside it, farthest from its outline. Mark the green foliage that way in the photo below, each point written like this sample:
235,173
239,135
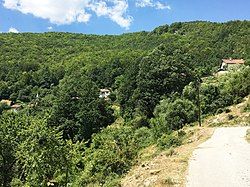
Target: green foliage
3,107
8,145
161,73
57,78
235,85
77,110
104,76
160,30
210,98
126,89
247,108
172,115
219,92
33,154
111,154
169,140
4,90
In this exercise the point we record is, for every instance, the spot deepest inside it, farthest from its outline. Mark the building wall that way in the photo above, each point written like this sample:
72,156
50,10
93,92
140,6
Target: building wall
233,66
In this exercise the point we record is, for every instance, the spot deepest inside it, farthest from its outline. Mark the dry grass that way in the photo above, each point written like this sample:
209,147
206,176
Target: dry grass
248,135
238,116
169,167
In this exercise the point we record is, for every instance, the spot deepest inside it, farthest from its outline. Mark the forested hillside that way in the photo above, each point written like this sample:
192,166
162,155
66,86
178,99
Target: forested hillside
65,134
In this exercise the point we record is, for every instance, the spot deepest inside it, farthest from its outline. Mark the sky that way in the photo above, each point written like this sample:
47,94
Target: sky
113,16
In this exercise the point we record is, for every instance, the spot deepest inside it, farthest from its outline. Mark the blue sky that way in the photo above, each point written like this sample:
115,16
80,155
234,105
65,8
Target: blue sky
113,16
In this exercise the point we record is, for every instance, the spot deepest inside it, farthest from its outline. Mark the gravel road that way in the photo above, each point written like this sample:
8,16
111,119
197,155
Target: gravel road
221,161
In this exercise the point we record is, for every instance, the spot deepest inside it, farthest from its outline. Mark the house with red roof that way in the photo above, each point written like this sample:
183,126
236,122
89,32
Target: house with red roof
229,64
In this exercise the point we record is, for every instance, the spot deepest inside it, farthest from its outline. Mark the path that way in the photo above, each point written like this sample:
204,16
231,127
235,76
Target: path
221,161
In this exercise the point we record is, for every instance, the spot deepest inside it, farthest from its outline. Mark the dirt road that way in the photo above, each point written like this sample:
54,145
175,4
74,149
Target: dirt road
221,161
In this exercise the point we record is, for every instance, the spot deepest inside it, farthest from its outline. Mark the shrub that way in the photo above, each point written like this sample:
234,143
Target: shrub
169,140
143,137
173,115
219,111
3,107
230,117
111,154
247,107
227,110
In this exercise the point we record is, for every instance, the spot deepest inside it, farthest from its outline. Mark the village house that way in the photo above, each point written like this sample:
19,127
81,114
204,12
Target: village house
229,64
6,102
104,93
16,107
11,105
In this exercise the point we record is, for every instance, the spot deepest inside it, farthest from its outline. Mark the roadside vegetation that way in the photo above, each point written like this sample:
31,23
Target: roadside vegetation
66,135
248,135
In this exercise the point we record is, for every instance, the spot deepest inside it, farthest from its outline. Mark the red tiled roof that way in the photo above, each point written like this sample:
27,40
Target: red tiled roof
233,61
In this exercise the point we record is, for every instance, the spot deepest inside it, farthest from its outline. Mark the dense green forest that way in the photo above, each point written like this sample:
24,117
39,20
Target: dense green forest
65,135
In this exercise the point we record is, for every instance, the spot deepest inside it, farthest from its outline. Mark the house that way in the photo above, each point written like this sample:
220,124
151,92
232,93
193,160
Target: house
6,102
104,93
229,64
16,107
11,105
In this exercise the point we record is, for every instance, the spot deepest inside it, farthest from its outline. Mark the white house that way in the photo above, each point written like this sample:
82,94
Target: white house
104,93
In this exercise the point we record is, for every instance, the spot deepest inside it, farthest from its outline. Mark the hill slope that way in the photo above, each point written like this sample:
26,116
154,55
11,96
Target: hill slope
56,129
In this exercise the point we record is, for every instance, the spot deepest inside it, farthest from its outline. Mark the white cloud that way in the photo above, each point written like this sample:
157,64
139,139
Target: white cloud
152,3
68,11
50,28
13,30
62,12
57,11
116,12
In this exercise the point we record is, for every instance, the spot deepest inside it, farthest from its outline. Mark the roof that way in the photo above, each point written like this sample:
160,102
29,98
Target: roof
104,90
233,61
16,106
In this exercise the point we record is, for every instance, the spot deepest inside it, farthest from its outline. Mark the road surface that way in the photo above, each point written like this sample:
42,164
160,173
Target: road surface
221,161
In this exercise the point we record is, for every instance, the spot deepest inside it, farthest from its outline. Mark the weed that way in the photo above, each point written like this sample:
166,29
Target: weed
169,181
248,135
170,152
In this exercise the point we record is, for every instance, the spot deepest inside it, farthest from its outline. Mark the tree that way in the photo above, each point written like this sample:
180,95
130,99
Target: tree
78,110
173,115
126,89
32,154
163,72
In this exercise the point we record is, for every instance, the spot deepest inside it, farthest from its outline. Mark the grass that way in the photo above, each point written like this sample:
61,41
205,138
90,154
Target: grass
171,164
248,135
236,115
169,181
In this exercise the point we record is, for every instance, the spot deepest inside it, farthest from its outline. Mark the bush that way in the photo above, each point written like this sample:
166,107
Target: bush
220,92
143,137
230,117
227,110
247,108
3,107
139,121
219,111
173,115
169,140
111,154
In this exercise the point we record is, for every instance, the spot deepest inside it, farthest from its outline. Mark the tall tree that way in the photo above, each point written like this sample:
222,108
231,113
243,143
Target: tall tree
78,110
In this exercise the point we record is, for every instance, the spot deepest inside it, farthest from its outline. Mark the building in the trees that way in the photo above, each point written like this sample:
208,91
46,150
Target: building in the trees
16,107
6,102
229,64
104,93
